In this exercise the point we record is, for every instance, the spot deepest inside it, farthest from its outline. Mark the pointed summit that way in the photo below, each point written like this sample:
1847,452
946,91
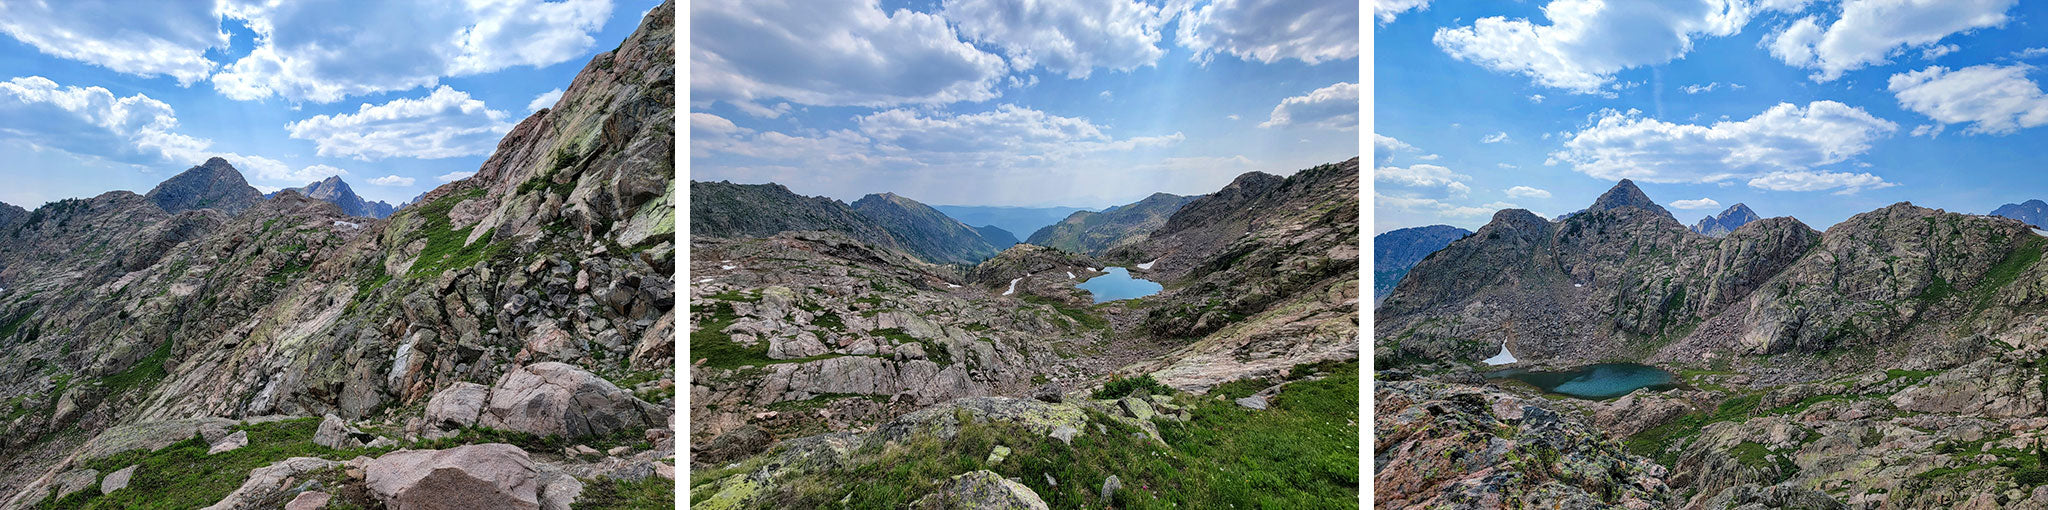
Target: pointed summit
212,185
335,191
1720,225
1626,194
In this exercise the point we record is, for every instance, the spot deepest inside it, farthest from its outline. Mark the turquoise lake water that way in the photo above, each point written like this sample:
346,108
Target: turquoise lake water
1118,284
1601,381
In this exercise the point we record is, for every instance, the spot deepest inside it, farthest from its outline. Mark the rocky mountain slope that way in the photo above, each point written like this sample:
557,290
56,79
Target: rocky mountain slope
1395,251
332,190
925,231
214,184
818,354
1095,232
1894,361
512,333
1720,225
9,214
996,236
2031,212
1015,220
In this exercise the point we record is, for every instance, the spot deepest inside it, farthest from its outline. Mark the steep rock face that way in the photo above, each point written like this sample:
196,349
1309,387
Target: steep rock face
334,191
131,314
1720,225
1595,284
211,185
9,214
1396,251
2031,212
1093,233
724,209
924,231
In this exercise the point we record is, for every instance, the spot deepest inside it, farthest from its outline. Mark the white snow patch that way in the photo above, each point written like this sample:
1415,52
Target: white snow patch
1504,357
1013,287
349,224
1070,275
1148,265
728,267
1092,270
1578,285
706,280
2042,233
952,286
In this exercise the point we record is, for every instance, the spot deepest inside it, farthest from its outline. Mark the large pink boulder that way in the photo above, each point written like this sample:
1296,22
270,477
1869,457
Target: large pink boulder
472,477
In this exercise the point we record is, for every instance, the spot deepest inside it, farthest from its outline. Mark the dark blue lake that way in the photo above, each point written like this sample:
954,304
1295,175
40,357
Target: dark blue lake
1118,284
1601,381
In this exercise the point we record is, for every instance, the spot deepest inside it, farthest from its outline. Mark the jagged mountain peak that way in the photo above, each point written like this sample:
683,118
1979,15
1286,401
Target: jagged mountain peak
1625,194
1730,219
215,184
2032,212
336,191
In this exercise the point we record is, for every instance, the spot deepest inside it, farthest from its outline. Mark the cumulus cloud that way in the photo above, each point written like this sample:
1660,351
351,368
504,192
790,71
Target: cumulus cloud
1007,136
1496,137
1424,176
1072,38
1527,192
1703,203
544,100
1588,41
1871,32
1332,107
1784,138
1993,99
93,124
317,51
1437,207
1817,181
454,176
392,180
1267,32
444,124
1384,147
847,53
165,39
2030,53
1934,52
1387,10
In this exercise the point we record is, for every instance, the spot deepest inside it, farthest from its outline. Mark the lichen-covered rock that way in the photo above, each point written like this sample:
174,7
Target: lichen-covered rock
1454,446
117,480
1988,387
479,477
268,481
458,405
336,433
551,398
981,489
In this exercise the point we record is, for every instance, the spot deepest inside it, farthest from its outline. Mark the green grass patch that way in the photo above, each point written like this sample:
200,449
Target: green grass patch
143,375
7,329
182,475
1656,442
711,343
447,247
1086,318
932,350
1119,387
605,494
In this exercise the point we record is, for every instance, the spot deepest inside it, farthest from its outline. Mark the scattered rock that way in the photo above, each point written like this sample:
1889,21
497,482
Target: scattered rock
457,405
73,481
1065,434
1252,402
482,476
1137,408
1109,487
981,489
227,444
309,500
267,481
997,455
1048,392
335,433
551,398
117,480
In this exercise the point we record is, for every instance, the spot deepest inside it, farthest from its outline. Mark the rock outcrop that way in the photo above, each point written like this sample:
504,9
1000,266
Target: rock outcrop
556,399
479,477
981,489
214,184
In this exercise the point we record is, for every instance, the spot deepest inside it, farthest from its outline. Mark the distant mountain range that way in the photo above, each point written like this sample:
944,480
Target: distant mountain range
332,190
1720,225
1018,221
1395,251
1094,233
2032,212
724,209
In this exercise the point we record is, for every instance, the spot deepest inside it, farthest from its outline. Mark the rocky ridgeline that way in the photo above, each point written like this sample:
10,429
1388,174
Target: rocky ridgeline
544,279
1094,233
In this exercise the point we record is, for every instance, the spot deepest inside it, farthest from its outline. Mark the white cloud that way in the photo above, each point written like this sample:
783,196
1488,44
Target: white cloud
1105,94
1817,181
1994,99
1588,41
1387,10
323,52
92,124
1536,98
1784,138
392,180
1496,137
1506,166
1929,130
1384,147
1072,38
1527,192
846,53
1332,107
1424,176
454,176
447,123
1267,32
1008,136
164,39
1871,32
1697,88
2030,53
1439,207
1430,157
1934,52
1703,203
1231,116
544,100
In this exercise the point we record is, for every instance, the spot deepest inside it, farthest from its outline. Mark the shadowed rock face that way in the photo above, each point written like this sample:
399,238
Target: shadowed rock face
334,191
1093,233
212,185
1397,251
924,231
1720,225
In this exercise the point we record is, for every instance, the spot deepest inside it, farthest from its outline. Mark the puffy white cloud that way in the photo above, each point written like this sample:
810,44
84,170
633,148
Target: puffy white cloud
92,124
1527,192
160,39
1816,181
1332,107
1703,203
1536,98
1871,32
846,53
1430,157
1496,137
320,51
1312,32
444,124
1784,138
392,180
1387,10
1994,99
1384,147
1008,136
454,176
1424,177
1072,37
544,100
1437,207
1934,52
2030,53
1588,41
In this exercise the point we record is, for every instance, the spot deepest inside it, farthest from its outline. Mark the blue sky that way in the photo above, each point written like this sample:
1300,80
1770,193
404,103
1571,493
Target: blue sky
396,97
1813,109
1086,103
